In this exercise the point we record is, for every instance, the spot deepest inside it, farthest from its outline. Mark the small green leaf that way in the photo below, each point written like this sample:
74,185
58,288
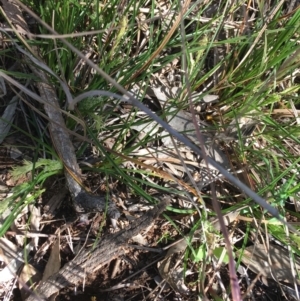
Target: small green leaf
199,254
47,164
218,253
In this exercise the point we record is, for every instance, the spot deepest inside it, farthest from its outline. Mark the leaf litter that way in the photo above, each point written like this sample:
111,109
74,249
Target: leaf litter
185,121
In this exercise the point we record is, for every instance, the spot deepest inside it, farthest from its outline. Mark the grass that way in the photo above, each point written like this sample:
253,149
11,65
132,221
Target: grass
252,65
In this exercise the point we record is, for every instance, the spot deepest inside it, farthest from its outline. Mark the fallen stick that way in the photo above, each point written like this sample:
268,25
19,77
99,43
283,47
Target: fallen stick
90,260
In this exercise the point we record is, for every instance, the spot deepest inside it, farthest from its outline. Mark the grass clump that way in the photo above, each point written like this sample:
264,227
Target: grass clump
246,56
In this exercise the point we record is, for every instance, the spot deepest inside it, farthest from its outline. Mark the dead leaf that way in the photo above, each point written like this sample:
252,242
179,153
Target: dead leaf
228,218
15,153
13,258
9,255
54,262
140,240
256,257
174,275
7,117
27,279
35,222
182,122
19,223
15,228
